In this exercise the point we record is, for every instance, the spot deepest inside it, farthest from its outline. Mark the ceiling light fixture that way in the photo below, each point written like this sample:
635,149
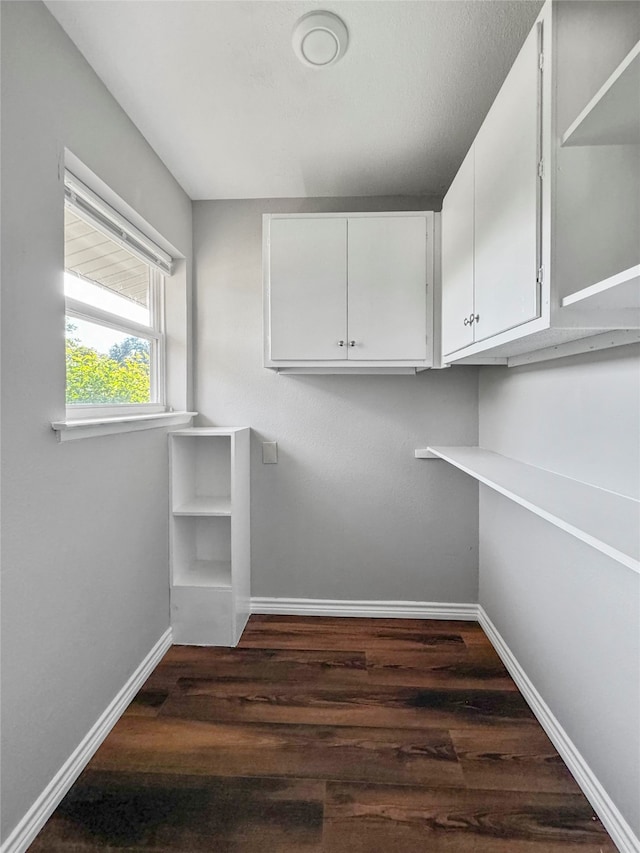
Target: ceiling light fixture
320,39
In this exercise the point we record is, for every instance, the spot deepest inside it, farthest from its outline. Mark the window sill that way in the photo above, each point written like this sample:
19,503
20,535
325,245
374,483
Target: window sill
69,430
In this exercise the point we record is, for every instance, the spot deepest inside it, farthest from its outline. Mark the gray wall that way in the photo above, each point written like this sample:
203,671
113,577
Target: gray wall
347,513
569,614
84,523
576,416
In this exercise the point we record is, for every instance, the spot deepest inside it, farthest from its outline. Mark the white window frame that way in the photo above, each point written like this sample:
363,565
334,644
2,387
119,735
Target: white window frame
97,213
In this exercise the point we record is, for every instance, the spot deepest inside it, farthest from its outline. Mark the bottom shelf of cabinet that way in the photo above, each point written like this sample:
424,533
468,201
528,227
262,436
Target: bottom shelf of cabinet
543,346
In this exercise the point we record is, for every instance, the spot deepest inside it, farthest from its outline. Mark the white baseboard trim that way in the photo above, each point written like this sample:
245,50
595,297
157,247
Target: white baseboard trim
615,824
370,609
31,824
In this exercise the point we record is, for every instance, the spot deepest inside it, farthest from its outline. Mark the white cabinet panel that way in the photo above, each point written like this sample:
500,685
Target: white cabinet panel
387,274
506,200
308,282
457,259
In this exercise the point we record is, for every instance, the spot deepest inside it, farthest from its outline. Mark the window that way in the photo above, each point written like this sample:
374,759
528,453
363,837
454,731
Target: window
114,288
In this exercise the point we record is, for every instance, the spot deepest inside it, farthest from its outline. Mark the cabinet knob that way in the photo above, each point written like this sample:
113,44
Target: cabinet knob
352,343
471,319
340,343
467,321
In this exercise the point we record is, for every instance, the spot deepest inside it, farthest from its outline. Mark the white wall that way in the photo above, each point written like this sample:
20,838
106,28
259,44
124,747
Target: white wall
84,538
347,513
569,614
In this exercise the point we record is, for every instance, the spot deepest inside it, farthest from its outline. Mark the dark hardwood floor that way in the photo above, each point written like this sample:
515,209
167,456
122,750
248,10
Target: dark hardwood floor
332,735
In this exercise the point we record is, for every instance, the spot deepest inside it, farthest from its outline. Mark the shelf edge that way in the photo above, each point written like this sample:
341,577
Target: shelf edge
607,87
193,510
603,286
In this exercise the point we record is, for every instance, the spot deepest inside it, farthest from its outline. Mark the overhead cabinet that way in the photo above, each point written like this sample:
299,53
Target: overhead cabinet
540,226
507,211
348,291
491,216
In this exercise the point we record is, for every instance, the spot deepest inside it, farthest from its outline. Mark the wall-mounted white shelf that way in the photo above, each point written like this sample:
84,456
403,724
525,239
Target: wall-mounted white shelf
605,520
611,117
617,292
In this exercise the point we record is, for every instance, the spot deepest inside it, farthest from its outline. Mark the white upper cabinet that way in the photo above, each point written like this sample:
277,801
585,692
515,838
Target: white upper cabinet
348,291
552,211
491,215
507,211
457,259
387,278
308,296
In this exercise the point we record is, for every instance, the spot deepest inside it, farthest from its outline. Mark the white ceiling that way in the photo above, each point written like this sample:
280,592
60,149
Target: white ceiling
216,89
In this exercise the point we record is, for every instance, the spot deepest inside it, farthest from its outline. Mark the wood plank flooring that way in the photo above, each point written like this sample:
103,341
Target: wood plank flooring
326,735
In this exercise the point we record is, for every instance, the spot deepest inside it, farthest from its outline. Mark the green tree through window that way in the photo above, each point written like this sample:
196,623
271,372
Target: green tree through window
120,376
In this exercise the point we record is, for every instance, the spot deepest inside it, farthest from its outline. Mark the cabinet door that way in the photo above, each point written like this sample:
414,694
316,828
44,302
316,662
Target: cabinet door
457,259
308,289
387,288
506,200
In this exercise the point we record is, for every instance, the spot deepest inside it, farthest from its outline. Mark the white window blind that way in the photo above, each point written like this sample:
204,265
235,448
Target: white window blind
82,203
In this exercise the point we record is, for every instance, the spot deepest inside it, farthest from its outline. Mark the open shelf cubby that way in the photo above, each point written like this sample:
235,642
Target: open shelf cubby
202,551
201,475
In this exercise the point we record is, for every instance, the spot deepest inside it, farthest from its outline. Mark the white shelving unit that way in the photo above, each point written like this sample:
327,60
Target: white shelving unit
604,520
210,535
612,116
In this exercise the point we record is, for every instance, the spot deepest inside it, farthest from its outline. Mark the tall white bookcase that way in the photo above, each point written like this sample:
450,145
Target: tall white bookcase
210,535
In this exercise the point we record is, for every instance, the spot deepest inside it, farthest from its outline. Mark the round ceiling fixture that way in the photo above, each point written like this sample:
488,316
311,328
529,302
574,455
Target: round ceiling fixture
320,39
